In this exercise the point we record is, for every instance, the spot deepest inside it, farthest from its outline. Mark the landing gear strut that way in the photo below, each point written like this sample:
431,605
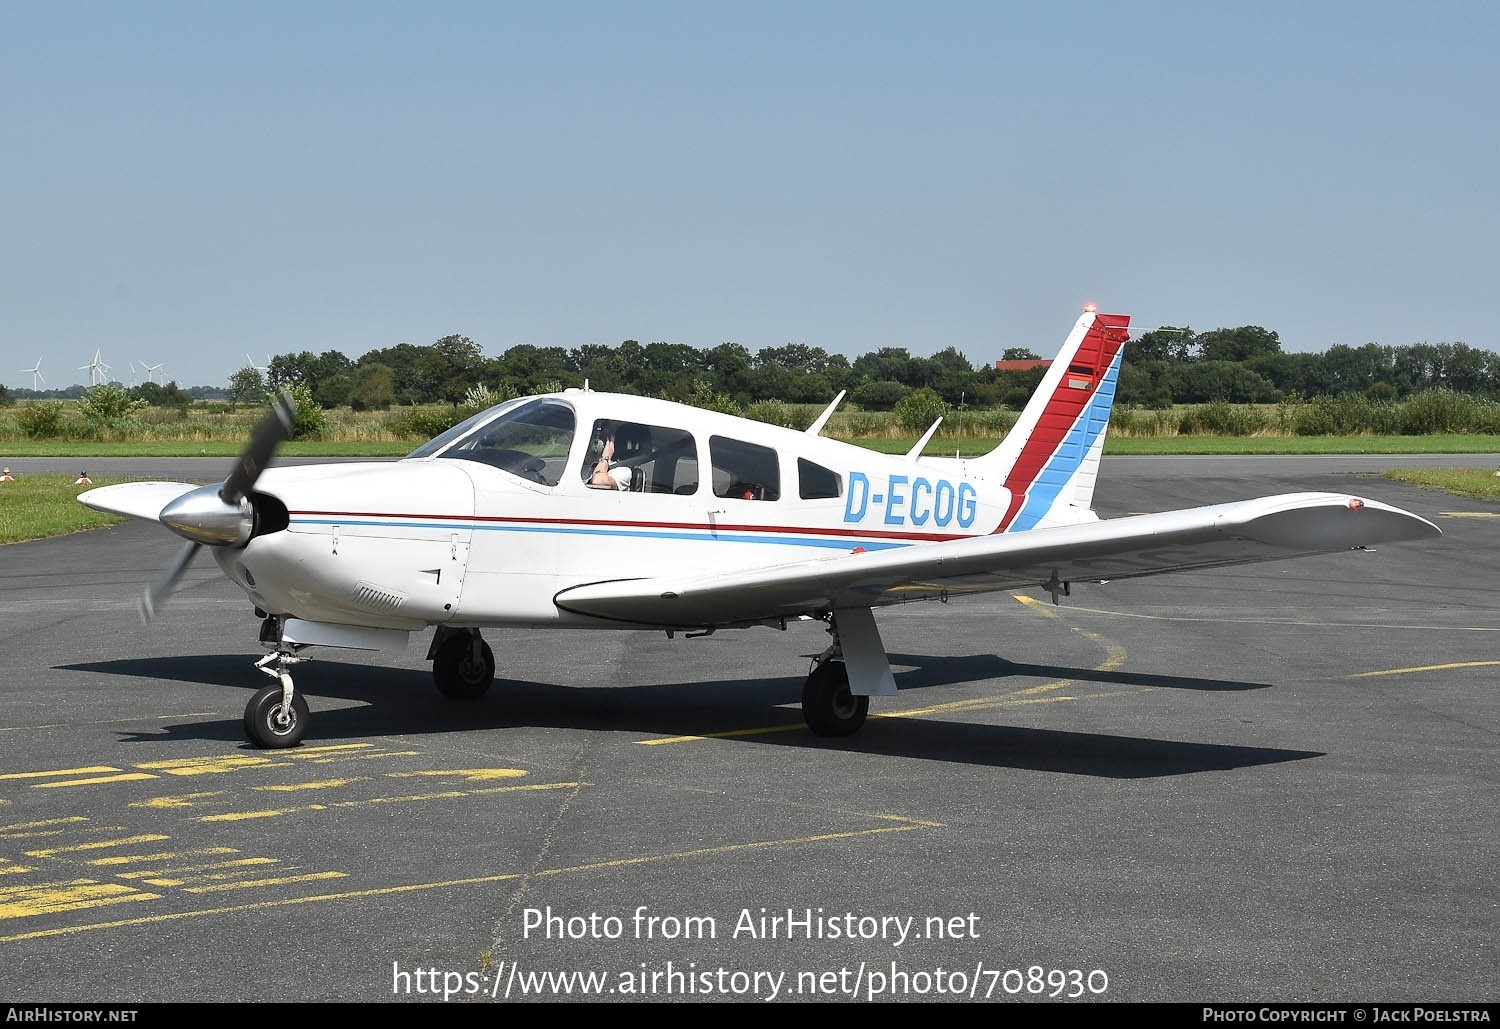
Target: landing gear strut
277,715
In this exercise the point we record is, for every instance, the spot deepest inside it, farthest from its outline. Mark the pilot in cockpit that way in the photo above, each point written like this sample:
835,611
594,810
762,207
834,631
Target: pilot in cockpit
606,473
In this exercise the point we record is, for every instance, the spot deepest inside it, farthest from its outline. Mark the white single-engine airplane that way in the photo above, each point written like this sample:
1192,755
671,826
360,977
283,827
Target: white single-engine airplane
724,522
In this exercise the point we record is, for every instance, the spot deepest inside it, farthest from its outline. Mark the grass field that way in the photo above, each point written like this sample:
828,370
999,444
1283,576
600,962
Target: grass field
38,506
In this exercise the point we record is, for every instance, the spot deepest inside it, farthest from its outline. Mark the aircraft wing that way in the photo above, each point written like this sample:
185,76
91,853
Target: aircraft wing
1267,529
135,499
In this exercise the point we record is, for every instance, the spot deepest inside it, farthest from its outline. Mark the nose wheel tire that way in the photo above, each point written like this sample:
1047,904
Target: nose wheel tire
829,707
273,725
463,667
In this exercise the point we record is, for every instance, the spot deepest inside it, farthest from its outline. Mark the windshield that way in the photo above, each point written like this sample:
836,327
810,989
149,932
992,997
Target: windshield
530,438
446,437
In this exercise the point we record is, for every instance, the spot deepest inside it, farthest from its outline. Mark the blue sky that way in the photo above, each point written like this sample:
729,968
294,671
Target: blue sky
187,182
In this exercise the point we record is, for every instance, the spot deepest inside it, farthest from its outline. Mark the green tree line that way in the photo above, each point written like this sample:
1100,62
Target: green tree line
1162,368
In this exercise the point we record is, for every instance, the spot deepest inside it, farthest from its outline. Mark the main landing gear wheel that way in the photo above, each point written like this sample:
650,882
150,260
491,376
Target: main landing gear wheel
463,667
829,707
272,724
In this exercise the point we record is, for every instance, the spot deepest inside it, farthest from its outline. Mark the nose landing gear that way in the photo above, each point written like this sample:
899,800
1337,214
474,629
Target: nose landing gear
277,715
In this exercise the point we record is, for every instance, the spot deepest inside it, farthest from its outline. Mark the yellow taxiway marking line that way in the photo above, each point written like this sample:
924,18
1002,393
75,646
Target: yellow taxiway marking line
206,765
48,827
1299,622
1469,514
251,884
900,824
314,753
107,721
383,755
52,898
469,774
1426,668
215,763
237,816
181,800
76,848
87,770
325,784
159,876
164,855
95,781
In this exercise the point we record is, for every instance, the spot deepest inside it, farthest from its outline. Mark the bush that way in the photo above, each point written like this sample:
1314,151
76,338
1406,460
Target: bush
41,419
704,396
424,422
996,420
916,411
861,424
881,395
1220,418
1438,411
772,412
1332,416
106,406
308,417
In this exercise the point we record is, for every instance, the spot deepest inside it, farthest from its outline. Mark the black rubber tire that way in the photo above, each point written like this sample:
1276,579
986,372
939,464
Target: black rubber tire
268,731
457,675
828,706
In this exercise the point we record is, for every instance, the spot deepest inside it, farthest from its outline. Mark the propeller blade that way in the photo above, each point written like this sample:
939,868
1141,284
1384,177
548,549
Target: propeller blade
273,429
156,594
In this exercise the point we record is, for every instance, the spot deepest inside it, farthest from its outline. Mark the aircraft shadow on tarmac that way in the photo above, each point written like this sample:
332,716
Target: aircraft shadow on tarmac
402,702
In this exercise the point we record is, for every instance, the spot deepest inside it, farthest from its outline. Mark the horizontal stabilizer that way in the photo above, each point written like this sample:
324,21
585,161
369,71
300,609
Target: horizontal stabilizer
135,499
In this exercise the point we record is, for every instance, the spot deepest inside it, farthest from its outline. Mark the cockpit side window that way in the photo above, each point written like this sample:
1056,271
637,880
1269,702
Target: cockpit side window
744,471
660,459
530,440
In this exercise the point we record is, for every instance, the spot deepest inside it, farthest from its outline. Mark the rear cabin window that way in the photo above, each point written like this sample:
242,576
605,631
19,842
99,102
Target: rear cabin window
661,459
744,471
814,482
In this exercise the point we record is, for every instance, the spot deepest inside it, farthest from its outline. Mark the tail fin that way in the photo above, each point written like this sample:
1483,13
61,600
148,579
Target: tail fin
1050,459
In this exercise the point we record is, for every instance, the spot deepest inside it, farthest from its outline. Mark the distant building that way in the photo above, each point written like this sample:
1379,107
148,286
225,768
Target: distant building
1021,366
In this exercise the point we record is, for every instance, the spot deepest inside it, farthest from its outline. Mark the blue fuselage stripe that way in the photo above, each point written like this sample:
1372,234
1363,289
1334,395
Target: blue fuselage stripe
704,536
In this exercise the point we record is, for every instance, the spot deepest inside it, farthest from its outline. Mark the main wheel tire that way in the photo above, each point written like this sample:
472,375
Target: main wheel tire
271,726
829,707
457,674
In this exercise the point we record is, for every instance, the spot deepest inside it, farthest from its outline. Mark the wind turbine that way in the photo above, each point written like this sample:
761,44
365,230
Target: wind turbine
96,368
36,374
250,363
151,370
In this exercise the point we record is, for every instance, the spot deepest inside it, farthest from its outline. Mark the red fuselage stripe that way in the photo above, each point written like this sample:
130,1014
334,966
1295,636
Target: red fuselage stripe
617,524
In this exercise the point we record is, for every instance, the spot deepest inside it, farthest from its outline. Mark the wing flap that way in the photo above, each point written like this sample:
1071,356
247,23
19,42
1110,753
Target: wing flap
135,499
1267,529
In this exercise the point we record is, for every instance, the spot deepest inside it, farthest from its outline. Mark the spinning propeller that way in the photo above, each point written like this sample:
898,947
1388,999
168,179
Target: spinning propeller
221,514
